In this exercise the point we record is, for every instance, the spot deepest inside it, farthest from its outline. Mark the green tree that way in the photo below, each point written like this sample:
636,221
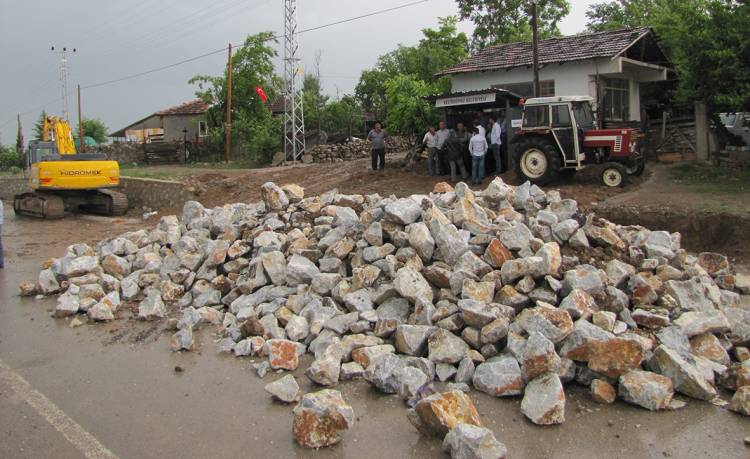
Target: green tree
342,116
258,133
9,159
506,21
408,111
370,91
94,128
39,126
313,101
707,41
620,14
20,147
437,50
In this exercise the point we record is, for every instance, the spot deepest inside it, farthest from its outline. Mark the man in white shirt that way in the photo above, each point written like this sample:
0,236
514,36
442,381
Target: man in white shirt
2,262
495,142
478,150
430,141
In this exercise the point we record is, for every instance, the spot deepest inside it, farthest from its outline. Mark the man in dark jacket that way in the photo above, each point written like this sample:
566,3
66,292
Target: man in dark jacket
455,154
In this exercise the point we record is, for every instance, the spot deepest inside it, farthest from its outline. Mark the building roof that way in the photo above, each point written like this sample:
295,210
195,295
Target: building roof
552,50
194,107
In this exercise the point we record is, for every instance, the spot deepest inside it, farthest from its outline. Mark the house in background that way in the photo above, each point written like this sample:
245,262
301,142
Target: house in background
186,121
608,66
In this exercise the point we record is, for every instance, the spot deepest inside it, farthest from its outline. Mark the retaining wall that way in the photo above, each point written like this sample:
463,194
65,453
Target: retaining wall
155,194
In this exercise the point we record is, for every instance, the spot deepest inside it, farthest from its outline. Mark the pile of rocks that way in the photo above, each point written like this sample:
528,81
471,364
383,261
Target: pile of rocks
509,290
353,149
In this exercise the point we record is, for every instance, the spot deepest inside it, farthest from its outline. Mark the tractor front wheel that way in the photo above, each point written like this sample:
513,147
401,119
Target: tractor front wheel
614,175
637,166
537,161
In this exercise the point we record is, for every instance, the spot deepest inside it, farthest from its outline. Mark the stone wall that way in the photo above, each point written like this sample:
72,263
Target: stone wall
352,150
11,186
123,153
154,194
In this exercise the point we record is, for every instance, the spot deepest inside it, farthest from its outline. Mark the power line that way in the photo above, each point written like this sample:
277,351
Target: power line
222,50
273,37
158,69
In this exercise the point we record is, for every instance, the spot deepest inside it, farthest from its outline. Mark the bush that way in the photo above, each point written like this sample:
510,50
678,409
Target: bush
9,158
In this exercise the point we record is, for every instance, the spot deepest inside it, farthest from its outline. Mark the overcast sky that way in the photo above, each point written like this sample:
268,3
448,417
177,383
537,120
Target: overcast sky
114,39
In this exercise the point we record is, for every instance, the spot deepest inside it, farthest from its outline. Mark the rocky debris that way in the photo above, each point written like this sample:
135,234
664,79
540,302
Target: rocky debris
741,401
544,400
509,290
467,441
439,413
686,376
284,389
182,340
320,417
602,391
282,354
500,376
644,388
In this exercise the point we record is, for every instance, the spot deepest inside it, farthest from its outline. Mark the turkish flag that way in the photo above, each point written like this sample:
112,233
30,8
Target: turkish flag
261,93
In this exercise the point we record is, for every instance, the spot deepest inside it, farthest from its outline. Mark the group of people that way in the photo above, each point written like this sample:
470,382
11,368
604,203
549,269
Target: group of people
450,145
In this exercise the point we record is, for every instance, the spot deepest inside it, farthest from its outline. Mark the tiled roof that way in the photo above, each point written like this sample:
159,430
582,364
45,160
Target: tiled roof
552,50
194,107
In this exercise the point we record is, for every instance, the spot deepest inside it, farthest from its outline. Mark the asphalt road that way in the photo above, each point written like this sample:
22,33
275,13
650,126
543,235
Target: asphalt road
111,391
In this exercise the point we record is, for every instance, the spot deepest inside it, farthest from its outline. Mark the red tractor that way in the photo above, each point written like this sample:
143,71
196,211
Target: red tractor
558,136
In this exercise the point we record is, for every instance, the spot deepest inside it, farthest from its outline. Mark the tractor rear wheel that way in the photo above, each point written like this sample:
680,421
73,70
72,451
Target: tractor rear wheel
614,175
537,160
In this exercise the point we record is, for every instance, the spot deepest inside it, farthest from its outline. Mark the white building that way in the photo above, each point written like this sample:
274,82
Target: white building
608,66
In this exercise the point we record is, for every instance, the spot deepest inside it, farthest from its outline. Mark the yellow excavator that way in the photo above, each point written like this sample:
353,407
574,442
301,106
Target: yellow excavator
63,179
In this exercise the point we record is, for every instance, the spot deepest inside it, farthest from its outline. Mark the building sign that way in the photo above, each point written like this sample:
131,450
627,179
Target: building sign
465,100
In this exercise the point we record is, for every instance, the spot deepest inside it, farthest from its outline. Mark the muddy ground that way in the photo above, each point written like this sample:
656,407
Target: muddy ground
118,380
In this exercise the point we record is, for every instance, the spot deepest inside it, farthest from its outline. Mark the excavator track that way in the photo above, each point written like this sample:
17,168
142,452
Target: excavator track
118,202
39,205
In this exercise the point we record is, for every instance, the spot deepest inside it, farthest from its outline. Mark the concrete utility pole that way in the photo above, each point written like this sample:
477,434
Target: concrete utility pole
80,123
228,127
535,46
294,118
64,81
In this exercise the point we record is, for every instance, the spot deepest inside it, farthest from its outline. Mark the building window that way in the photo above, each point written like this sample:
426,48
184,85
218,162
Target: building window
547,88
526,89
202,129
617,99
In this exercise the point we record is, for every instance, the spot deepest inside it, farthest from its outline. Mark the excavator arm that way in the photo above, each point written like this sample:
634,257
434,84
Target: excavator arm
58,130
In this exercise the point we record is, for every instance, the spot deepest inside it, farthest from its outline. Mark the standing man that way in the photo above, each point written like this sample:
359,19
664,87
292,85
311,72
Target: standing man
442,136
455,154
478,149
377,136
430,141
495,142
